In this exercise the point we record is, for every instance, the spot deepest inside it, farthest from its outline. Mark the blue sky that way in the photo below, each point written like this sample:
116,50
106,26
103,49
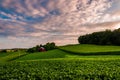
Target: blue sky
26,23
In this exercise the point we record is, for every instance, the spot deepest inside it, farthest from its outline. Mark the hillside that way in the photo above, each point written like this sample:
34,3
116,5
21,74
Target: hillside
66,62
75,52
10,56
86,49
69,52
44,55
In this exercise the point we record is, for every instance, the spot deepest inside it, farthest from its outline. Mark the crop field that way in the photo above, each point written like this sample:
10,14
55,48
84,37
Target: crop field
61,70
63,64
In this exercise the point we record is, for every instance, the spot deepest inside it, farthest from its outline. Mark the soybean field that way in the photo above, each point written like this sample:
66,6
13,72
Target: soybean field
72,62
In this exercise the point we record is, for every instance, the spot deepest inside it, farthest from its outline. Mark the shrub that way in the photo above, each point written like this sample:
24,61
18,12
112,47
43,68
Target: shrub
47,46
3,51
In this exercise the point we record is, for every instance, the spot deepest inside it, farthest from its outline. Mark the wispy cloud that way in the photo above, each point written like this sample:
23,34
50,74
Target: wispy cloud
61,21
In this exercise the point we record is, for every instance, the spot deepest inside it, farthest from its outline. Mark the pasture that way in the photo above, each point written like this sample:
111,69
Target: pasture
85,49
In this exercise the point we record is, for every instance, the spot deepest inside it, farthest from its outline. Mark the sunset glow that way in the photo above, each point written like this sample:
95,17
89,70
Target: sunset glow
25,23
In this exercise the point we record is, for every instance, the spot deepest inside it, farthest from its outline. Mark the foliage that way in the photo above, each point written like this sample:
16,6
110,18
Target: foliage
31,50
101,38
61,70
3,51
50,46
60,65
47,46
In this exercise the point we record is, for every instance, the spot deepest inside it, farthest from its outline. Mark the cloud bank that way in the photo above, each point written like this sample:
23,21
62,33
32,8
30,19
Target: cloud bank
61,21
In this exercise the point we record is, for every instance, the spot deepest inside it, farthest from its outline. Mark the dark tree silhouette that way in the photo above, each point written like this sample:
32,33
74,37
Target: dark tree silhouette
107,37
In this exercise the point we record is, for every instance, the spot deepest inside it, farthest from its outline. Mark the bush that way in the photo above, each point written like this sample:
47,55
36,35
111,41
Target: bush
50,46
47,46
31,50
3,51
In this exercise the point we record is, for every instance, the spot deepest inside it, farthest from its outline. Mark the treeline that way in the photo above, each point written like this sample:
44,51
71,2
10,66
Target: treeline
12,50
48,46
107,37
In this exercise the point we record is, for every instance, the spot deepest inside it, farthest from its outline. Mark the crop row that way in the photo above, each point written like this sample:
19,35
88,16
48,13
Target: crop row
61,70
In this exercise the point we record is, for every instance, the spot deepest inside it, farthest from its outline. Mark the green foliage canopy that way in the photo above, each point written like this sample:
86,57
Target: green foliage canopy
48,46
101,38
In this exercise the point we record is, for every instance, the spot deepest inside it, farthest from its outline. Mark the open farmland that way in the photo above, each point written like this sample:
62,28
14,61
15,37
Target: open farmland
62,70
4,57
64,63
85,49
44,55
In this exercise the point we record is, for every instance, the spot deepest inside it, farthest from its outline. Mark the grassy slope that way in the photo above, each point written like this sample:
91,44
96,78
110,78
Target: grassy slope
11,56
57,64
85,49
68,52
44,55
4,54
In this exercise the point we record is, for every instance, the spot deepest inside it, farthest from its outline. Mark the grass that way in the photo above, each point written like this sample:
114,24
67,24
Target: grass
68,62
70,51
44,55
3,54
70,57
84,49
66,52
11,56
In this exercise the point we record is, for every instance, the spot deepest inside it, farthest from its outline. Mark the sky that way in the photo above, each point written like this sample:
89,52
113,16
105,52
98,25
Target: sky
26,23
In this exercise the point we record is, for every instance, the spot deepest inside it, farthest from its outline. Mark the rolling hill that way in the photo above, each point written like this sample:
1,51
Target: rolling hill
66,62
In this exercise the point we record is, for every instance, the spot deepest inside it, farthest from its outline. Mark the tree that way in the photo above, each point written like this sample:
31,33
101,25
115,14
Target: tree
101,38
3,51
31,50
50,46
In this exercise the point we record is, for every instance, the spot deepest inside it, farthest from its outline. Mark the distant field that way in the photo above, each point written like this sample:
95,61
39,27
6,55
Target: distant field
84,49
44,55
4,57
71,51
4,54
61,55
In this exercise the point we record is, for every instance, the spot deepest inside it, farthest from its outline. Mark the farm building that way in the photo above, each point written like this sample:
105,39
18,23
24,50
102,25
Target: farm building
41,49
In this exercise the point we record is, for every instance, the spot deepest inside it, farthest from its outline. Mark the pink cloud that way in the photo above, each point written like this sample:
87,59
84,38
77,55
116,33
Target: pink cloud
75,18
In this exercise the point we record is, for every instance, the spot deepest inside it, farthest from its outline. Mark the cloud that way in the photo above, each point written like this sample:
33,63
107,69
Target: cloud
73,15
71,9
10,28
27,7
61,21
102,26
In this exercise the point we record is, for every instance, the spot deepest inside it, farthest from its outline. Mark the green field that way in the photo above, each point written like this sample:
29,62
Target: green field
91,49
62,70
72,62
11,56
44,55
